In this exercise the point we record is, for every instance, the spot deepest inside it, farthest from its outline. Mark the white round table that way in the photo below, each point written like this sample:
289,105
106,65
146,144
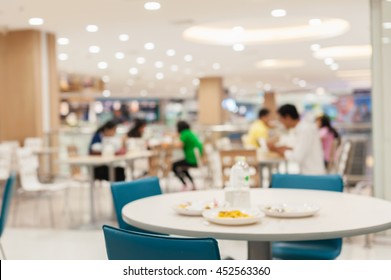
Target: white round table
341,215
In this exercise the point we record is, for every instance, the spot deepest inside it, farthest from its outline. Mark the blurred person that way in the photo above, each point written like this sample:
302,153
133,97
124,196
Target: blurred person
307,148
108,129
138,128
259,129
328,136
188,142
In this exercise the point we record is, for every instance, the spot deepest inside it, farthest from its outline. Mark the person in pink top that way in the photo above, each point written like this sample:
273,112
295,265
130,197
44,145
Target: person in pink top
328,135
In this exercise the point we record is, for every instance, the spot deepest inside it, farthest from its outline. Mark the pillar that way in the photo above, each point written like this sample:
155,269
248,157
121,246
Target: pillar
29,85
381,99
210,96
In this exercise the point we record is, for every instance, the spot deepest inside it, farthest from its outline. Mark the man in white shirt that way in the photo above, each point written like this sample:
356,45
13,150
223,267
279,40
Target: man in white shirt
307,150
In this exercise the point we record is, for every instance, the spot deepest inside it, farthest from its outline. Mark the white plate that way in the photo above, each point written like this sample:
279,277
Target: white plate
212,215
290,210
195,208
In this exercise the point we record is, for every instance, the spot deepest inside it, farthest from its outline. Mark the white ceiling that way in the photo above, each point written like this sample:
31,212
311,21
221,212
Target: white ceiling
165,27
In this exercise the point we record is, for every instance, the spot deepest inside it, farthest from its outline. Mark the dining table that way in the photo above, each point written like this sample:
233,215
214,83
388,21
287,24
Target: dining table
339,215
91,161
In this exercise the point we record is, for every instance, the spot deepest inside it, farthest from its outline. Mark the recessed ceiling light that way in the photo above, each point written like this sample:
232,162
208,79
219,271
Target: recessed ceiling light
267,87
344,52
328,61
238,29
295,81
278,13
315,47
214,33
302,83
159,64
315,22
386,40
170,52
63,41
92,28
102,65
106,93
119,55
216,66
36,21
387,25
123,37
159,76
133,71
149,46
334,66
152,6
238,47
188,58
174,68
279,63
196,82
106,79
140,60
63,56
94,49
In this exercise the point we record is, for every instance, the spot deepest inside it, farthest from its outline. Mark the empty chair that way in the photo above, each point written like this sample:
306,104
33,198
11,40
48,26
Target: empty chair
223,143
128,245
33,143
5,205
6,156
30,185
327,249
125,192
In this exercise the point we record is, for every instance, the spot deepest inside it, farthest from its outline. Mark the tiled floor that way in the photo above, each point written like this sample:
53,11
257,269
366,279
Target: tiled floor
47,244
29,234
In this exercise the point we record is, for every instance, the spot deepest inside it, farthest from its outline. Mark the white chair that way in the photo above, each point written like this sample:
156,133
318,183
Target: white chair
12,146
31,186
202,168
223,143
5,161
33,143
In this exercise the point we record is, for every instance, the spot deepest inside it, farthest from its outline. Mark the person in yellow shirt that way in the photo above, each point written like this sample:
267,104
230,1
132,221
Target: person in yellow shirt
259,129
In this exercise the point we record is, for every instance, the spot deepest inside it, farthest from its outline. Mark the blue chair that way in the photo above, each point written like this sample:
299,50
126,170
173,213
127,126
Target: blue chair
5,205
128,245
327,249
125,192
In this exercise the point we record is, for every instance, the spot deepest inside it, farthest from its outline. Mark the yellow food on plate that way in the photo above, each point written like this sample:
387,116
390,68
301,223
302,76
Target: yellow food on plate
184,205
233,214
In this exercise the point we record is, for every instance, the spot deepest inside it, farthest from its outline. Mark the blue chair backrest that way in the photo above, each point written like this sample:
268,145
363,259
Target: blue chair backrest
127,245
6,202
310,182
125,192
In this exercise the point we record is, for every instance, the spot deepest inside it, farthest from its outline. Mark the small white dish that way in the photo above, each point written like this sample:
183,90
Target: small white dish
195,208
290,210
252,216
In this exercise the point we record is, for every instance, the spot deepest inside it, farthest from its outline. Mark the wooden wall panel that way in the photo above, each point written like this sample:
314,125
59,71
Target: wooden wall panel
2,89
21,102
